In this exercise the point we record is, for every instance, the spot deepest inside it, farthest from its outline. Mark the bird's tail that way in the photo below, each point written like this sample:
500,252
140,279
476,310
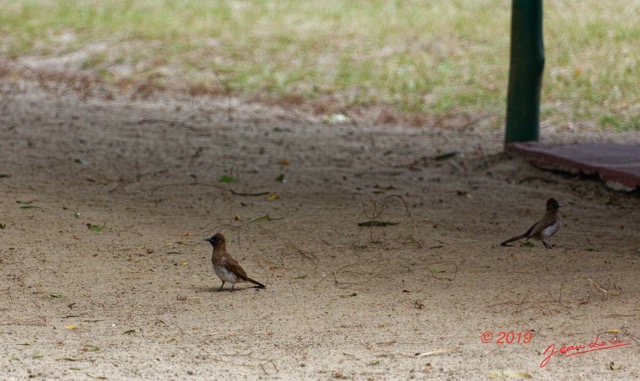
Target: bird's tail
521,236
260,285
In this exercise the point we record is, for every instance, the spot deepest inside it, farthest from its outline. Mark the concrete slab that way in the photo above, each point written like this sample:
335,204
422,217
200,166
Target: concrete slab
618,165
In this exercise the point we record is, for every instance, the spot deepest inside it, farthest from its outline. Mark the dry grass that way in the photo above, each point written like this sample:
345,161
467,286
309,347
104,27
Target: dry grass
436,57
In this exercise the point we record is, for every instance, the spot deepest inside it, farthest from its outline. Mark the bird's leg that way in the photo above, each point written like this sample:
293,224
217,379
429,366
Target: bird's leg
233,286
546,244
220,289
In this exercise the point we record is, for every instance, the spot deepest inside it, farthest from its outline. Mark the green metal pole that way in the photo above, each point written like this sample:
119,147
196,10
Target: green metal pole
526,66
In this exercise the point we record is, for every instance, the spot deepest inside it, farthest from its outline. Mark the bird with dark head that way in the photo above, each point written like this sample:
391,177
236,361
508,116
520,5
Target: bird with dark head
225,267
543,229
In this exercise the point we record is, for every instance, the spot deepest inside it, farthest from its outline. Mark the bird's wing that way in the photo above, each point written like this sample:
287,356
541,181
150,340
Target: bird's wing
235,268
530,232
538,227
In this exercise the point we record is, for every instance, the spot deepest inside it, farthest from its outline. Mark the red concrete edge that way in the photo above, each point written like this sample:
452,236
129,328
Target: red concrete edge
618,165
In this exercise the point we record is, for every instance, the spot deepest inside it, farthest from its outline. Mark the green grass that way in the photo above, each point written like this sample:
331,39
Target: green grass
431,57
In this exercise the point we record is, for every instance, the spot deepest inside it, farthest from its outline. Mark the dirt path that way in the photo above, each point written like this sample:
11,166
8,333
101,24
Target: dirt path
137,299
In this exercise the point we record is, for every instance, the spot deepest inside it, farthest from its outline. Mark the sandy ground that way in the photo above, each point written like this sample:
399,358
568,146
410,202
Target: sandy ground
138,300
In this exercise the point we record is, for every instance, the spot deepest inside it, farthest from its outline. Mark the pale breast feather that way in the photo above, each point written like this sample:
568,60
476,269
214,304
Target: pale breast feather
551,230
225,274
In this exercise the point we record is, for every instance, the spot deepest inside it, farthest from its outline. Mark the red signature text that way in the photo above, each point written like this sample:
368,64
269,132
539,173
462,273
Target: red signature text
578,349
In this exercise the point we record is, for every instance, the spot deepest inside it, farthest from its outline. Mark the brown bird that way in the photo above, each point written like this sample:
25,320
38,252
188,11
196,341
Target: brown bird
225,267
543,229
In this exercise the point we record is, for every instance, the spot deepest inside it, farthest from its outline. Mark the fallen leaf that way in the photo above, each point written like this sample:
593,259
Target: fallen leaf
437,352
94,228
284,162
262,219
97,377
185,235
237,218
509,373
273,196
386,188
280,178
130,332
445,156
70,326
374,223
227,179
29,207
56,296
613,366
337,118
257,194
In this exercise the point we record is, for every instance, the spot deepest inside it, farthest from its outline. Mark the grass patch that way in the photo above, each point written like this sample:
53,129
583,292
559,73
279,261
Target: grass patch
433,57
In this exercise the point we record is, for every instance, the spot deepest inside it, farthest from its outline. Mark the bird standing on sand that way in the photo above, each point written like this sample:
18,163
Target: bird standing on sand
225,267
543,229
